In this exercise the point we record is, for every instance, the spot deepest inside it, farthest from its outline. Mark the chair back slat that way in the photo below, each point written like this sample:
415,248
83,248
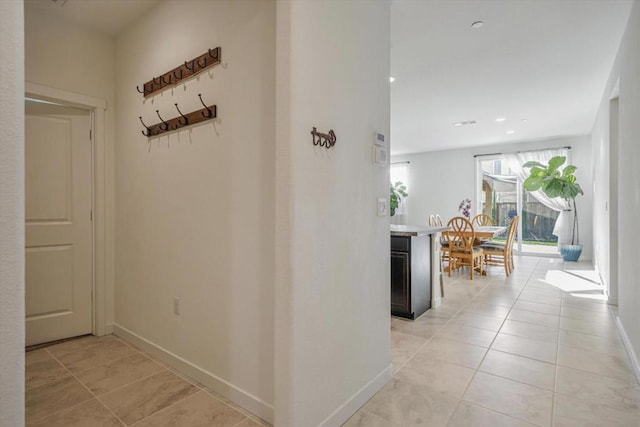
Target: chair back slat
482,220
461,234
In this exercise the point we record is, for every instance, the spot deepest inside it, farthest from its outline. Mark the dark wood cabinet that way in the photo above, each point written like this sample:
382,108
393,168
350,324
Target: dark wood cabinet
410,275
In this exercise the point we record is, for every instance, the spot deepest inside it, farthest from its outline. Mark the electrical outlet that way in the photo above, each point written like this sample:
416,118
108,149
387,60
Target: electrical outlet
176,306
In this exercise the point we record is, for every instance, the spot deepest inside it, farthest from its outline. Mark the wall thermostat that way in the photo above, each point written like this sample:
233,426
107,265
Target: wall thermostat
378,139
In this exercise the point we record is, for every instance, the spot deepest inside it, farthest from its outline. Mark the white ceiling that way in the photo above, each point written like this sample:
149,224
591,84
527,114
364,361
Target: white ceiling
546,61
106,16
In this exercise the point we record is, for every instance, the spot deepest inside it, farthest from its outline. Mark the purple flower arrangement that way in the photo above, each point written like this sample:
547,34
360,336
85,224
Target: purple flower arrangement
465,208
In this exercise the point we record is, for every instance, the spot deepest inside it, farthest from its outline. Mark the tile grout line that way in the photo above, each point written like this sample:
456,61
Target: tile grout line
165,408
440,328
487,352
90,392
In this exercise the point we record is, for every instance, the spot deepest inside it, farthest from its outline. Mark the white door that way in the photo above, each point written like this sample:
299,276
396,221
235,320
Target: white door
58,222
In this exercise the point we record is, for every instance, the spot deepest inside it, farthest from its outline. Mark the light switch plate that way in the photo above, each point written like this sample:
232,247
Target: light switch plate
382,206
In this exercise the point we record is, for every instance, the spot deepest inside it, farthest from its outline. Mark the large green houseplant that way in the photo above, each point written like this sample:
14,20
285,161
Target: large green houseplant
556,182
397,192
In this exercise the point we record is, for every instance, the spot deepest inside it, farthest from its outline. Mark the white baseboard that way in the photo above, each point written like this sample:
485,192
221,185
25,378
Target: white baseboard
347,409
108,329
627,344
235,394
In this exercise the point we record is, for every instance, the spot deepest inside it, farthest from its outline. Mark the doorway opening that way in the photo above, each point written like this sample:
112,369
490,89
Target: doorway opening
58,221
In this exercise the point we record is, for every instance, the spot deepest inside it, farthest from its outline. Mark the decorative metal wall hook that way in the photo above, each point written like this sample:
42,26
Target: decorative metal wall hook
190,68
323,139
180,120
140,91
167,82
176,76
209,112
202,64
148,134
213,53
164,125
159,82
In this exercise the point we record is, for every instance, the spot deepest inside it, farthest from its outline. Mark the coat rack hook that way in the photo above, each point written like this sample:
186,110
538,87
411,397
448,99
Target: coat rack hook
182,122
209,112
159,82
205,63
190,68
166,82
213,53
140,91
148,134
164,126
176,76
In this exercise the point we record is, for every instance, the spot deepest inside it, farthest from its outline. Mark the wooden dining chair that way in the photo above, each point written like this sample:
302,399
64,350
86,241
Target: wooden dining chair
498,253
444,244
461,250
482,220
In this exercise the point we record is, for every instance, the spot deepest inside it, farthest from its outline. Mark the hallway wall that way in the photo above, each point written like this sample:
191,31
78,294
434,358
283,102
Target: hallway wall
626,74
12,214
332,299
195,208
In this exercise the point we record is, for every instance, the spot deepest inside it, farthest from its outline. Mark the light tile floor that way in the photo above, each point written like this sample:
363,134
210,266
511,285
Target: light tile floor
538,348
107,382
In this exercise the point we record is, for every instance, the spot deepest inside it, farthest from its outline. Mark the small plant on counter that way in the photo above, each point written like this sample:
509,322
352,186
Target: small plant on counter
398,191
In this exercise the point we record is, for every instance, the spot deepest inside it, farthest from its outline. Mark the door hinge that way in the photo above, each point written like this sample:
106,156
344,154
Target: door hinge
91,215
90,134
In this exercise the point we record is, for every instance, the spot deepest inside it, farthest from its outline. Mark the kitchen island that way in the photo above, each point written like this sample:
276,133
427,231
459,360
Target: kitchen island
415,269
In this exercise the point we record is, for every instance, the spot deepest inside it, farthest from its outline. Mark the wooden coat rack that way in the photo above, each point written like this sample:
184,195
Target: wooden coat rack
182,72
201,115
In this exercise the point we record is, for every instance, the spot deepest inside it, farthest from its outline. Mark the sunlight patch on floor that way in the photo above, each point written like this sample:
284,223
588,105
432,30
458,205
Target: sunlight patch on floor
579,283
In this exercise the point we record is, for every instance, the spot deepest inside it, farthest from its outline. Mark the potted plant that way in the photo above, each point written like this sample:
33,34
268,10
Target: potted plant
398,191
556,182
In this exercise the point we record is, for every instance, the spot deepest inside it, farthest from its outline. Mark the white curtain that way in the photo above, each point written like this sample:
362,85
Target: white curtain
564,224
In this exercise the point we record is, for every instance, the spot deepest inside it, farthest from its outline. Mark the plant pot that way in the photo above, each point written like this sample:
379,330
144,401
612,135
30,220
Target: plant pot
570,252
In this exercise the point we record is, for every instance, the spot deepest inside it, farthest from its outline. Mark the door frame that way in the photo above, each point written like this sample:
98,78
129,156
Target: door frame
102,245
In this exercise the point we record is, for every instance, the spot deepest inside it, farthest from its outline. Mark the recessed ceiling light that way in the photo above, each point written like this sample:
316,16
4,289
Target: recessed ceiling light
392,79
509,132
468,122
477,24
501,119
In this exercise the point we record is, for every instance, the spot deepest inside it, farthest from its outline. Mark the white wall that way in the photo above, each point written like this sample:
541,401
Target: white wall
626,71
11,213
65,56
332,326
440,180
195,208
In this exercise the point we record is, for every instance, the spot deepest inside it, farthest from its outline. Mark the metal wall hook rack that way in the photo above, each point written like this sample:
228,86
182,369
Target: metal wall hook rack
327,140
182,72
197,116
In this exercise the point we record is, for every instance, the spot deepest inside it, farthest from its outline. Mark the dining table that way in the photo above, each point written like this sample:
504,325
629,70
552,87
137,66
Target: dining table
489,231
